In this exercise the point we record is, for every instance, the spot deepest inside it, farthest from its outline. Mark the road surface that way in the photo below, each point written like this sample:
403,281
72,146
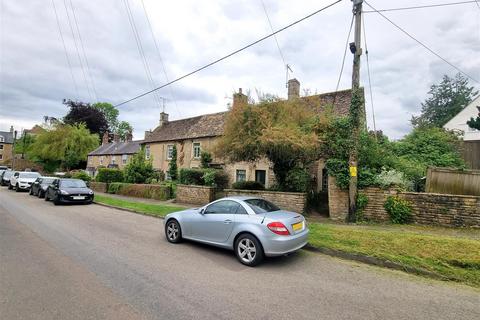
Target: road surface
93,262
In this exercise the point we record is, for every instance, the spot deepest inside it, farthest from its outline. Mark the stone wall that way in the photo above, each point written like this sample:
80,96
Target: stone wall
337,201
195,194
291,201
98,186
428,208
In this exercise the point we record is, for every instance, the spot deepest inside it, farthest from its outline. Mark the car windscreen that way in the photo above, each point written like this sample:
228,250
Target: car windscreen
47,180
72,184
260,206
28,175
7,174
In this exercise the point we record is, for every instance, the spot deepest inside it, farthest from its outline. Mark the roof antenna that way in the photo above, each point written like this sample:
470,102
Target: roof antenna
287,67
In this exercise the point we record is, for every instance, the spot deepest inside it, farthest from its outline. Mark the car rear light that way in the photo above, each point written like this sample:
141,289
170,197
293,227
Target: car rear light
278,228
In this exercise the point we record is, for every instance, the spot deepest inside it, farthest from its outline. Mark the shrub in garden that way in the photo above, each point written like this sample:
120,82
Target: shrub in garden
399,210
172,166
248,185
215,178
393,178
298,180
205,159
82,175
191,176
159,192
139,169
109,175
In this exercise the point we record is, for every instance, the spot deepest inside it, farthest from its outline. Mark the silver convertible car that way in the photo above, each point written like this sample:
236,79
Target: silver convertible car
252,227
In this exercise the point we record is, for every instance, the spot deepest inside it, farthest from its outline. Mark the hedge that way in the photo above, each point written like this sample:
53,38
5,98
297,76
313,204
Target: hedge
248,185
204,177
109,175
149,191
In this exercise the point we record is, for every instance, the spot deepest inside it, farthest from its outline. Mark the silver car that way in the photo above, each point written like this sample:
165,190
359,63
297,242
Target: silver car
252,227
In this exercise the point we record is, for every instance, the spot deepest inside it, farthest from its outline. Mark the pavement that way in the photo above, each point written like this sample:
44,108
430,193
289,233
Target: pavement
94,262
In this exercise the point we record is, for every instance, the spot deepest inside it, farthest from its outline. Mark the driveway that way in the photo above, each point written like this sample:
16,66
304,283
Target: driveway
93,262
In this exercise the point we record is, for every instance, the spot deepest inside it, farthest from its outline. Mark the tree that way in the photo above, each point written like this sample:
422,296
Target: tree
121,128
65,145
205,159
446,100
280,131
474,123
172,166
24,144
139,169
80,112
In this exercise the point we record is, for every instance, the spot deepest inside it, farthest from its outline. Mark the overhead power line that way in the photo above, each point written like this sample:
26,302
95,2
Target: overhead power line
65,49
274,36
422,44
369,77
343,59
424,6
230,54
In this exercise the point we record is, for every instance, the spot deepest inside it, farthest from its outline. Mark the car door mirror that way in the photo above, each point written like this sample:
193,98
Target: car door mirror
202,211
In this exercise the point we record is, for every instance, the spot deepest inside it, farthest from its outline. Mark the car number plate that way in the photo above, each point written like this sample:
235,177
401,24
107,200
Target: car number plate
297,226
78,198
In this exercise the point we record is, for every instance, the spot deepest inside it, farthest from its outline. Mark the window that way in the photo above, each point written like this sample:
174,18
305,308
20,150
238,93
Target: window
196,150
1,146
2,139
261,176
223,207
101,160
1,156
241,175
147,152
260,206
124,158
241,210
114,159
170,152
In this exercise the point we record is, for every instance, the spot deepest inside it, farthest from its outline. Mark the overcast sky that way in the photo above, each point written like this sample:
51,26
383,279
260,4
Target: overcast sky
35,77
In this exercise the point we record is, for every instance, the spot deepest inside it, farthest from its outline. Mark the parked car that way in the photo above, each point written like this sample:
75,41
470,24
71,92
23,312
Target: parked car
22,180
69,191
252,227
39,186
5,181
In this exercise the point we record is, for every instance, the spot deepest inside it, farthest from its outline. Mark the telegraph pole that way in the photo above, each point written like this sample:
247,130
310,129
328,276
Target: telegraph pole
355,48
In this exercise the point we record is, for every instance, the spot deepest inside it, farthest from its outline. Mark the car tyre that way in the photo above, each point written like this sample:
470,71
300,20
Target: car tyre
10,187
46,197
17,188
248,250
173,231
56,201
40,194
30,192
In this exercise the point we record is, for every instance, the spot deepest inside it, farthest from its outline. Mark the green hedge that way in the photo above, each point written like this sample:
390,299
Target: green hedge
248,185
204,177
109,175
82,176
149,191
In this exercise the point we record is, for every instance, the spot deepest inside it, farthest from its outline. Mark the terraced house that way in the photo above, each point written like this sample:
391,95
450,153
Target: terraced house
6,146
191,136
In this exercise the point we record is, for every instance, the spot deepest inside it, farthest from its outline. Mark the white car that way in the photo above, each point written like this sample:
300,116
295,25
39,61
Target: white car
22,180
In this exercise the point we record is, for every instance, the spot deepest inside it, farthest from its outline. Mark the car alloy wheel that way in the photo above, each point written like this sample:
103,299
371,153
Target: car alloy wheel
173,232
17,188
248,250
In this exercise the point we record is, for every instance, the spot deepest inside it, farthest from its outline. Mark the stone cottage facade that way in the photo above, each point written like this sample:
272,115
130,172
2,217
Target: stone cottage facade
191,136
6,146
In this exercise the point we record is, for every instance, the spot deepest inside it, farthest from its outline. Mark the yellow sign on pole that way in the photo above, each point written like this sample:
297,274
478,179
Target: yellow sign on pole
353,171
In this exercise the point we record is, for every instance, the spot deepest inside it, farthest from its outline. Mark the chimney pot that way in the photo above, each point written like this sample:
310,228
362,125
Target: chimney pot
116,138
129,137
11,129
163,118
239,98
293,89
105,138
147,134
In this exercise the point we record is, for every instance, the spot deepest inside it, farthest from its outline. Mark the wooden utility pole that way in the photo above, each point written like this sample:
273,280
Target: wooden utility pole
355,48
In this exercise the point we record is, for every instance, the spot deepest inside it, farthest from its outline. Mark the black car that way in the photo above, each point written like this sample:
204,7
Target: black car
69,191
39,186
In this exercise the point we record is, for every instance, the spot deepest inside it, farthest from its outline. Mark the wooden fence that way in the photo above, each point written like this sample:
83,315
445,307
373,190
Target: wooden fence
453,181
471,154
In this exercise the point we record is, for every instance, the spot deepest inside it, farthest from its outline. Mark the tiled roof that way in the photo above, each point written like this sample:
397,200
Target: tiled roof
115,148
7,136
208,125
211,125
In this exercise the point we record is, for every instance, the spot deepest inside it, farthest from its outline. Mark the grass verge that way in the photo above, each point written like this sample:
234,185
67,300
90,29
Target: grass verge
451,257
158,210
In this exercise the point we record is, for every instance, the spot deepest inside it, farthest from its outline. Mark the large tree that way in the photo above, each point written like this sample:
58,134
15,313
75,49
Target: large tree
121,128
446,100
81,112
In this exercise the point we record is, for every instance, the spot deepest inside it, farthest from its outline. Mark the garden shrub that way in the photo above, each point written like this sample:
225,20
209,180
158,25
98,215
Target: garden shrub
205,159
159,192
139,169
298,180
191,176
204,177
109,175
393,178
399,210
248,185
82,175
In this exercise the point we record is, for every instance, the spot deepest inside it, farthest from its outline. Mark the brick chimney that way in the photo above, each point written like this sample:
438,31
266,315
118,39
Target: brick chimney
163,118
293,89
116,138
239,98
11,129
147,134
105,138
129,136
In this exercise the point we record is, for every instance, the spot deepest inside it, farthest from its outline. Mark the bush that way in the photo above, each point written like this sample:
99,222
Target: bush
204,177
248,185
393,178
205,159
399,210
109,175
172,165
159,192
139,170
298,180
82,175
191,176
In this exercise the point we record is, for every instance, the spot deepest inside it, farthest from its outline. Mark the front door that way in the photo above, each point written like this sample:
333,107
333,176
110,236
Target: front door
216,222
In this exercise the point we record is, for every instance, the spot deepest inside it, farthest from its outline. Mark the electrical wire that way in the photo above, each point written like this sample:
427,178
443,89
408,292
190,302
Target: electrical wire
369,77
230,54
172,95
423,7
343,59
83,51
422,44
65,49
274,36
77,50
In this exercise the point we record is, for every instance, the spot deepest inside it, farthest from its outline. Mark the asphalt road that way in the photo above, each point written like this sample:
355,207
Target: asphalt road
92,262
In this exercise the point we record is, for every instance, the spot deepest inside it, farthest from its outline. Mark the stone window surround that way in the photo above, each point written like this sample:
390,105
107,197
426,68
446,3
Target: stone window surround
113,160
170,151
101,159
124,158
244,173
196,145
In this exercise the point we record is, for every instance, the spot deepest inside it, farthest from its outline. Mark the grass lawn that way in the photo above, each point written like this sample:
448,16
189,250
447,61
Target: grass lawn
158,210
429,248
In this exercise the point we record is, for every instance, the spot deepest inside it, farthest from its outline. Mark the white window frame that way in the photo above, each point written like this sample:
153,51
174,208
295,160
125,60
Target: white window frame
236,175
113,160
170,151
147,152
124,158
102,158
197,147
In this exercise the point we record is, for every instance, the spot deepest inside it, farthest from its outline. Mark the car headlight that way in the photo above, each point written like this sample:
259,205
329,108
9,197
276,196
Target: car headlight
63,192
90,192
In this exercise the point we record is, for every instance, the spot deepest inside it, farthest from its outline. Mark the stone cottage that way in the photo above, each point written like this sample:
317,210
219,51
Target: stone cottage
6,146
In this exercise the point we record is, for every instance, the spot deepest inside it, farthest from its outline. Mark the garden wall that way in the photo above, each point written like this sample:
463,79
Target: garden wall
195,194
291,201
428,208
98,186
337,201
